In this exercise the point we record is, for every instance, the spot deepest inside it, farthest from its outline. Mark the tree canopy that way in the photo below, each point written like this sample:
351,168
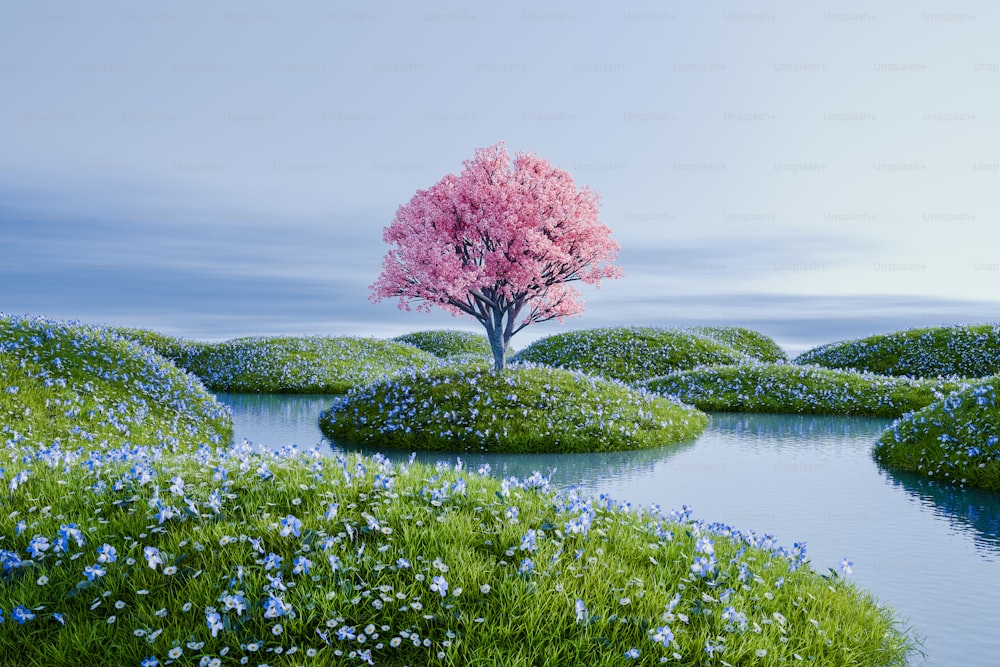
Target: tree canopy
499,242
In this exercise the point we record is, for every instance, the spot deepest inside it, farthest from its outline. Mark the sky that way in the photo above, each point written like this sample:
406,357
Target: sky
817,171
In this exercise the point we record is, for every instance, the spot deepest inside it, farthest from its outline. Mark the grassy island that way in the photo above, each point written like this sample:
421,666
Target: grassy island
962,351
787,388
629,354
752,343
519,409
449,343
955,439
304,365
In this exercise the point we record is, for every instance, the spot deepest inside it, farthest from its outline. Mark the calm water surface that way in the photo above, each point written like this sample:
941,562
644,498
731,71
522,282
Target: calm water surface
931,551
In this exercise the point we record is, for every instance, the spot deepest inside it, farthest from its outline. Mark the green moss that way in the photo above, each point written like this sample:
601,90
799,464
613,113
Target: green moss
307,365
449,343
83,386
629,354
514,410
786,388
963,351
953,440
751,343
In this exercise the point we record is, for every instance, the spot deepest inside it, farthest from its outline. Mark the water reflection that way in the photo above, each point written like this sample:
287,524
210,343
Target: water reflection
276,420
963,508
797,427
589,468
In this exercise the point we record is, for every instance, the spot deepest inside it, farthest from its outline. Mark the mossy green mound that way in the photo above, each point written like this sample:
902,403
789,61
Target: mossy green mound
752,343
76,386
963,351
629,354
955,439
449,343
786,388
231,557
306,365
514,410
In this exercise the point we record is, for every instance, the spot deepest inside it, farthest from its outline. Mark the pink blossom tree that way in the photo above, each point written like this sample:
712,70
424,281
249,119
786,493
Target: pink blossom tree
498,242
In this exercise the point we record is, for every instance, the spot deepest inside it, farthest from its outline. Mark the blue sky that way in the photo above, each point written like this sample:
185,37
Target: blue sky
214,170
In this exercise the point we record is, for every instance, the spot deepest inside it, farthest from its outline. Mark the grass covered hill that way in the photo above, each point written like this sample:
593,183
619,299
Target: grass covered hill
519,409
77,386
234,557
173,348
299,365
955,439
752,343
786,388
629,354
449,343
306,365
963,351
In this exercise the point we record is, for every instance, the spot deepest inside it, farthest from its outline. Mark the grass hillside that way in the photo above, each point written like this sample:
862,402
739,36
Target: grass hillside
786,388
629,354
751,343
963,351
233,557
76,386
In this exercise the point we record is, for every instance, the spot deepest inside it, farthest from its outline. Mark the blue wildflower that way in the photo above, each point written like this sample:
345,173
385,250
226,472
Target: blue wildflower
662,635
528,541
290,525
153,556
214,620
22,614
439,585
38,546
580,609
275,607
107,554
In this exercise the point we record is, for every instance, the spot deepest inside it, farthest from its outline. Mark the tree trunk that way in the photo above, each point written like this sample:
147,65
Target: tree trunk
497,346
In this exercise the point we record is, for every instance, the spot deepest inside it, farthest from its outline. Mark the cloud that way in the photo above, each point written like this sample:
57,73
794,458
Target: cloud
713,259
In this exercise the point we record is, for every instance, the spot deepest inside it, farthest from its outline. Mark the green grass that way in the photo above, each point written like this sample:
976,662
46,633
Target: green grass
516,410
305,365
170,347
383,543
786,388
963,351
124,536
79,386
751,343
449,343
952,440
629,354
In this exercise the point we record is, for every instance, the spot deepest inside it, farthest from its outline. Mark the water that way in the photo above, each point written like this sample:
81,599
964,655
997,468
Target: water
929,550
